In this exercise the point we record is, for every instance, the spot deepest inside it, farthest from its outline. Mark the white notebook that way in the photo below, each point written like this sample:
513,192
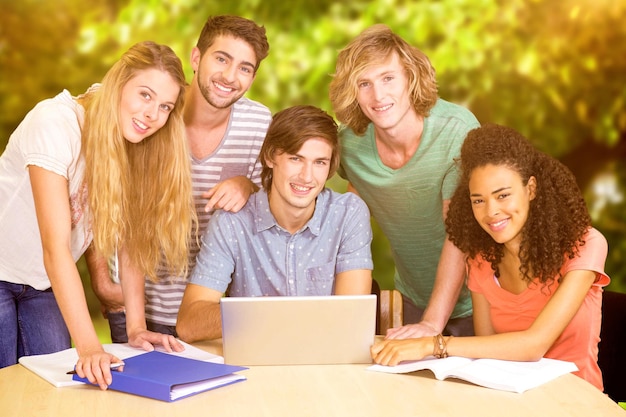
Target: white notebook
53,367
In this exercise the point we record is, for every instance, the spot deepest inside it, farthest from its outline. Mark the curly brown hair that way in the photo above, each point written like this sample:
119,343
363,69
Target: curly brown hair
558,217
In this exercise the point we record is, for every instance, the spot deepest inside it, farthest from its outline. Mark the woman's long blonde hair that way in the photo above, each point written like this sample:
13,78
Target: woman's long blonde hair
140,195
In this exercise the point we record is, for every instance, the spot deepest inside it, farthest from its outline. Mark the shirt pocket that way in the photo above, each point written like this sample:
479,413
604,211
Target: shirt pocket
233,169
424,201
320,280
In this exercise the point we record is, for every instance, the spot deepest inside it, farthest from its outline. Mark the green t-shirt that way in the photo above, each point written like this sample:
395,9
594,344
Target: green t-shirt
407,203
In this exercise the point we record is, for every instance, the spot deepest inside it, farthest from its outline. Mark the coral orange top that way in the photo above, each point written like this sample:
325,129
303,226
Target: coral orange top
515,312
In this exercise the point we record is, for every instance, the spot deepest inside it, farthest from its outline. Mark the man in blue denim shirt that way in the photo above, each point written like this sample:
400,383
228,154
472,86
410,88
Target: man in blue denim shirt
293,237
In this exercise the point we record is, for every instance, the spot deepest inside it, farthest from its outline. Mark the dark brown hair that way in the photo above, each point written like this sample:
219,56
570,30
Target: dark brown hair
289,129
237,27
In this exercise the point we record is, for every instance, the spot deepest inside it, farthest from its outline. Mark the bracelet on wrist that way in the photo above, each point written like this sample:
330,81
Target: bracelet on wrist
440,347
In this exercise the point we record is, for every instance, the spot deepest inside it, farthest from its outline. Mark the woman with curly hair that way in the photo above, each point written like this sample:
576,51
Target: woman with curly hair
535,264
111,167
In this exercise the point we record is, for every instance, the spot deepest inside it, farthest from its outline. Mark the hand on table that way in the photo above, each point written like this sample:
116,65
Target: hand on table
420,329
146,340
96,367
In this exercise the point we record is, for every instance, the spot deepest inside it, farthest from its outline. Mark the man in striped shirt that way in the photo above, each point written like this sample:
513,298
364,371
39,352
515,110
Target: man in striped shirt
225,132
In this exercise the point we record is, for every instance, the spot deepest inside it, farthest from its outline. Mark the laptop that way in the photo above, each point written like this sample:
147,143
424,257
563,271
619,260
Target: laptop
307,330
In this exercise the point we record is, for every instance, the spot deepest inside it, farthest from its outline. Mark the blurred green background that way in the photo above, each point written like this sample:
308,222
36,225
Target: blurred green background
553,69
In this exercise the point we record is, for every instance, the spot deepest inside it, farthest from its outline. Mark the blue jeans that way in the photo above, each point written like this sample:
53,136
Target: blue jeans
117,325
30,323
162,328
461,326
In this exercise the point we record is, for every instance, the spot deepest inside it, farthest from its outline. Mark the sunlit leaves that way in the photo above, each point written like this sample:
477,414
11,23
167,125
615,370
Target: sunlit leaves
553,69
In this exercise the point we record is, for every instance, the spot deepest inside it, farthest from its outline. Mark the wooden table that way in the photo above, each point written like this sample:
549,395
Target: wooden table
294,391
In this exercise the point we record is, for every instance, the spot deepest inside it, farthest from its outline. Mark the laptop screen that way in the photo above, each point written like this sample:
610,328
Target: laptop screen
298,330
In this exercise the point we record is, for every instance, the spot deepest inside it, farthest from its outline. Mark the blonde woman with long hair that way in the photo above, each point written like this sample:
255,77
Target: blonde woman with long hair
108,168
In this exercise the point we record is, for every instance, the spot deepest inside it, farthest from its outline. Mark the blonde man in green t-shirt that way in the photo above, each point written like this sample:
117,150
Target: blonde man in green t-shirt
399,141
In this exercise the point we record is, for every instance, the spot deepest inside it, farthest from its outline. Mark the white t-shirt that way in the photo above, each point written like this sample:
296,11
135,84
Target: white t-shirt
49,137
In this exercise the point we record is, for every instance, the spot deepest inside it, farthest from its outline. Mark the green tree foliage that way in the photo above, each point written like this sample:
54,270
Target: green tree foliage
552,69
39,55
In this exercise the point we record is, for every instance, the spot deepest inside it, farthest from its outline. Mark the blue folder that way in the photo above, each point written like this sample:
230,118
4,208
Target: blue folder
168,377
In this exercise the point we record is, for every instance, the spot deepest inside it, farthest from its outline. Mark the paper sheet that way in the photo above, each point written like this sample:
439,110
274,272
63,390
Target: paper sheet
53,367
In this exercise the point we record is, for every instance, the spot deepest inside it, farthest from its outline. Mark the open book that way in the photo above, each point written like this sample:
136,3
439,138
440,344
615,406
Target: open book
490,373
53,367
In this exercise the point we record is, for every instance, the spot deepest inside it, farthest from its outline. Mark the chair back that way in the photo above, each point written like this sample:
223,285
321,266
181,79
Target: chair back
388,309
612,346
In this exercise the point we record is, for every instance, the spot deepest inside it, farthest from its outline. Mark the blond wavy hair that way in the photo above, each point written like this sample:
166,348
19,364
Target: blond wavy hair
139,195
373,47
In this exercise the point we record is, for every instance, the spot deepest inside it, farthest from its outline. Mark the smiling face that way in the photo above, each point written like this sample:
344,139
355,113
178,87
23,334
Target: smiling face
501,201
383,93
226,71
298,179
147,101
